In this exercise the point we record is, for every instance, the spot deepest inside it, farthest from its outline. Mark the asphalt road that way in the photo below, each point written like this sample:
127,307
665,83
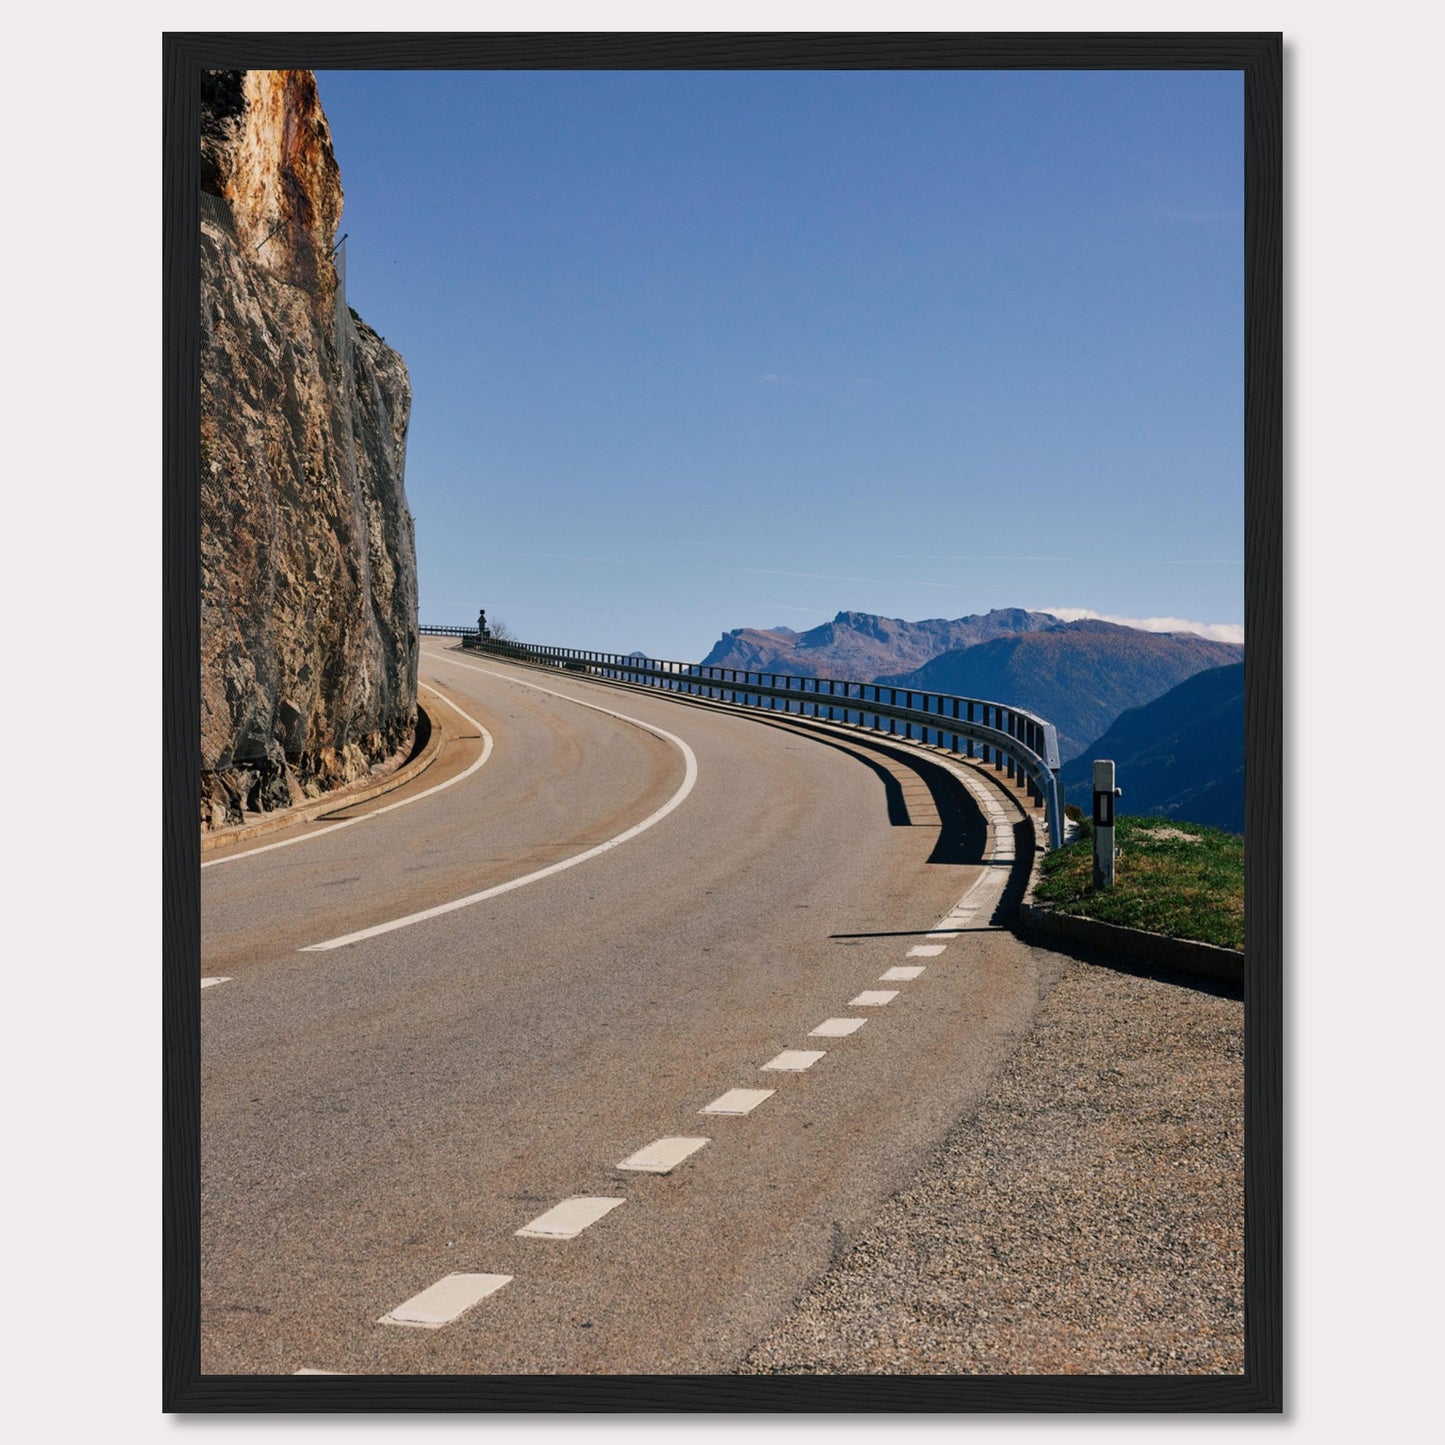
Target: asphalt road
380,1115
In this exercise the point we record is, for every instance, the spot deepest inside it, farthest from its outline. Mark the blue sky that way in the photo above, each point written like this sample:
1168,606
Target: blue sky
701,350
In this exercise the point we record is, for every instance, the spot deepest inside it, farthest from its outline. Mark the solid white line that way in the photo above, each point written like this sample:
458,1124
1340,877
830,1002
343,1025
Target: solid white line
738,1101
900,974
873,998
445,1301
688,782
210,982
662,1156
377,812
569,1218
836,1028
794,1061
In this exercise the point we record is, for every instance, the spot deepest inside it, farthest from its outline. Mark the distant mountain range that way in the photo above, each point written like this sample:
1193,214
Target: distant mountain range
1180,756
1078,675
857,646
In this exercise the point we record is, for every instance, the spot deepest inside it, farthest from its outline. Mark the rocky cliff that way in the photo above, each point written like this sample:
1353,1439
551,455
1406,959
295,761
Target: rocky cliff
308,560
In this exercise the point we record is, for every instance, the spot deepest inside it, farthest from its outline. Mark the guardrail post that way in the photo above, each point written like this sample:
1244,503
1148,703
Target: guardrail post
1104,794
1055,805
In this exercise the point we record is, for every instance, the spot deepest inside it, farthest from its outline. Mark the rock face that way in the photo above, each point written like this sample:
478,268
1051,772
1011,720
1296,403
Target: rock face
308,557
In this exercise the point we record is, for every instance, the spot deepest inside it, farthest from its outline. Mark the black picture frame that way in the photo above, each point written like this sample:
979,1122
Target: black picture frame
1258,55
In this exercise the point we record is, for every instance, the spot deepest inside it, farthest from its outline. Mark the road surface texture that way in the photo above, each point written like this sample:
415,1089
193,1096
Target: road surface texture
382,1116
1088,1219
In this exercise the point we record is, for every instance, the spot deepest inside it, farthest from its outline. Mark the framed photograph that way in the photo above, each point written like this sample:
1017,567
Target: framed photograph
723,849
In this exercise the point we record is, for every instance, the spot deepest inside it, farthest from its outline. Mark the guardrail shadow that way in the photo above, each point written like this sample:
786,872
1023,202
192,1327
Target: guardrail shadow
1025,842
1005,910
962,830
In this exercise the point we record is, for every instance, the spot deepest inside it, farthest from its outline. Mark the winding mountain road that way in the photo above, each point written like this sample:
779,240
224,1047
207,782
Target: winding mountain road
611,910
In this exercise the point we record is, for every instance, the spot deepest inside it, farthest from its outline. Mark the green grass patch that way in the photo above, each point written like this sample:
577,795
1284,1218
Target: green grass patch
1178,879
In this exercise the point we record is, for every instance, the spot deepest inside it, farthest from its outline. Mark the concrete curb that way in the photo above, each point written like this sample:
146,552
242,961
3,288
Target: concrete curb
1185,955
1206,960
336,801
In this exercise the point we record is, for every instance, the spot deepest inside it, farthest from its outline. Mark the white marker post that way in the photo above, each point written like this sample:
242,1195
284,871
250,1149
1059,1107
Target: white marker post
1104,794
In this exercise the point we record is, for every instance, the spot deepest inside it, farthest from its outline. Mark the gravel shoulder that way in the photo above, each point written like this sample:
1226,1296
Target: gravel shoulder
1088,1218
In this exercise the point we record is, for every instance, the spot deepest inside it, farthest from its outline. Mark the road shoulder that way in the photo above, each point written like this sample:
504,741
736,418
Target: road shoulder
1087,1218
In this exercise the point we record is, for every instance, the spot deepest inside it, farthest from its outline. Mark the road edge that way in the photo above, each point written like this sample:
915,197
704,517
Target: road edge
342,798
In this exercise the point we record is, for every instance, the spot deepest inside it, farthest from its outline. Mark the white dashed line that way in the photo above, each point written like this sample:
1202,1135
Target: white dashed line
836,1028
794,1061
688,782
959,918
662,1156
319,1372
569,1218
211,982
452,1296
375,812
445,1301
738,1101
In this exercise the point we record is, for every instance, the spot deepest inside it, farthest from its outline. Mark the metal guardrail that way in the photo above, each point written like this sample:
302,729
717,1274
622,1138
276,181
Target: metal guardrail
1023,744
428,629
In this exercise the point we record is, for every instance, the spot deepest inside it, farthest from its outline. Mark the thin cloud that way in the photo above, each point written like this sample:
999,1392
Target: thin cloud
1215,631
1199,217
614,561
978,557
809,576
1078,557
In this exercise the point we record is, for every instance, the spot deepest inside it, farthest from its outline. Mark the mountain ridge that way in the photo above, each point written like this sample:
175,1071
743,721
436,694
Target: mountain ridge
856,646
1179,756
1080,676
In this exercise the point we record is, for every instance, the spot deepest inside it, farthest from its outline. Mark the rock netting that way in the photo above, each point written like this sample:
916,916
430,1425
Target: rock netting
308,557
1088,1219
